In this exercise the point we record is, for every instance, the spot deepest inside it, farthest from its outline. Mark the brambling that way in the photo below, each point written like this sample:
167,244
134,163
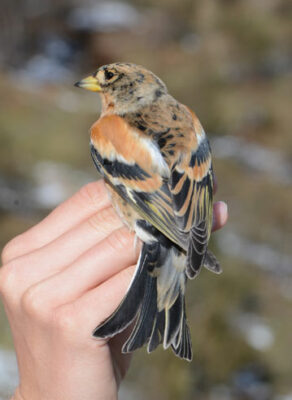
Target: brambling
155,159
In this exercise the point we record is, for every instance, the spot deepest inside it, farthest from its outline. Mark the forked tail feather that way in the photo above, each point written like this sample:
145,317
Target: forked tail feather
157,320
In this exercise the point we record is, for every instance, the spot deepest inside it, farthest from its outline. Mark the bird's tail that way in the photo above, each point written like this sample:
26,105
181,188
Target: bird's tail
156,301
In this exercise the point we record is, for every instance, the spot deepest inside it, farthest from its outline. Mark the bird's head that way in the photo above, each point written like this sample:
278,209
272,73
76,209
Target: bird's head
124,87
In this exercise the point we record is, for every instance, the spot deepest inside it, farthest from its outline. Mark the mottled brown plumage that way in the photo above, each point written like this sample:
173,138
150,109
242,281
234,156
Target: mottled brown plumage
155,158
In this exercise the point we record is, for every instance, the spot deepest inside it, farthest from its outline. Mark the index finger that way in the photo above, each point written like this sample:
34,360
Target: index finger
90,199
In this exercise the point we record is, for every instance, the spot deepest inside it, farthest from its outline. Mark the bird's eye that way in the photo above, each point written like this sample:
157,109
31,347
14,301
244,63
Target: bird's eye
108,74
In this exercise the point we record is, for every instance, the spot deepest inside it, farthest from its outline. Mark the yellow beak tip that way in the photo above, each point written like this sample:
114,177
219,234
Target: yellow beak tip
89,83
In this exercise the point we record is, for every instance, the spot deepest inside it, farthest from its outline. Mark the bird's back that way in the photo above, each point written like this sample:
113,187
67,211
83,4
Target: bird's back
169,123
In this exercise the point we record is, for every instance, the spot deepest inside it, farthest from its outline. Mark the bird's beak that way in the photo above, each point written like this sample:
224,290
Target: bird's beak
89,83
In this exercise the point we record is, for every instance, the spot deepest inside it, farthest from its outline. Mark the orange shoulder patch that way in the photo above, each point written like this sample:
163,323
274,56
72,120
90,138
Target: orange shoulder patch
112,136
114,139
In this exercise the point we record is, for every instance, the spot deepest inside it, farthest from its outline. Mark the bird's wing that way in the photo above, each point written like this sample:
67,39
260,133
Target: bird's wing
191,187
136,170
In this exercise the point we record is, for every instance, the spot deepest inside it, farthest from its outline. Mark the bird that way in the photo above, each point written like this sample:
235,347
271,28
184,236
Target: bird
155,159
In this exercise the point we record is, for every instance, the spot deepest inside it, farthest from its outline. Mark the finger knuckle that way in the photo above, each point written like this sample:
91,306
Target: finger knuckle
65,321
8,278
105,218
120,240
92,193
10,249
34,304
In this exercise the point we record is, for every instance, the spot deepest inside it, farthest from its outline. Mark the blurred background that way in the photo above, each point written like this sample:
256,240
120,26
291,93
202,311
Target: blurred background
229,60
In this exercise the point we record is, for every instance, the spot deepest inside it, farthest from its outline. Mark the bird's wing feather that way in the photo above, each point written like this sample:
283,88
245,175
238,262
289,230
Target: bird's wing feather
137,171
177,200
191,187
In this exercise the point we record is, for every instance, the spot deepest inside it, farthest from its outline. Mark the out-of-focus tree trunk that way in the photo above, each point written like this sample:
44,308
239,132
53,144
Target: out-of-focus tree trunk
12,30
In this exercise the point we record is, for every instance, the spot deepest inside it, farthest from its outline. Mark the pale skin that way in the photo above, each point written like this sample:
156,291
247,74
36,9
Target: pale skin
58,281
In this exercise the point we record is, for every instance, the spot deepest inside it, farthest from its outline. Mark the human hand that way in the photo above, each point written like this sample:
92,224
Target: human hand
59,280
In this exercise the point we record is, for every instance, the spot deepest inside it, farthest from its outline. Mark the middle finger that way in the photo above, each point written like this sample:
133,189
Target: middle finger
57,255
